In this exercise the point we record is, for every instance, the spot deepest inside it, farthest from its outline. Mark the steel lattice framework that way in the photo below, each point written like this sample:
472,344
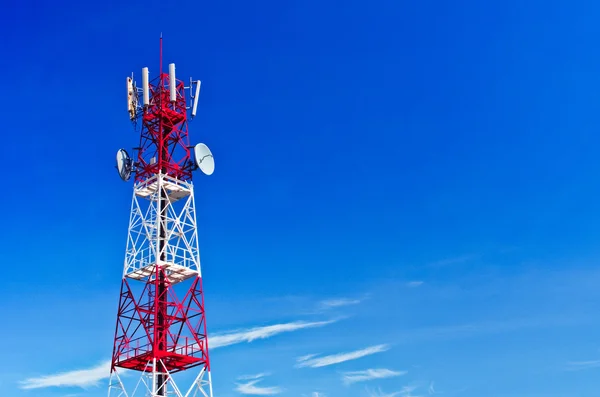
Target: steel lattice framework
161,323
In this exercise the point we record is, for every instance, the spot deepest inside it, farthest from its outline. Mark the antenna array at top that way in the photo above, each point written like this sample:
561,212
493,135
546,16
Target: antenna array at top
133,105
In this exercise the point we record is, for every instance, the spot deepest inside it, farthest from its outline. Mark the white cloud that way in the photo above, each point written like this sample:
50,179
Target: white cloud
251,388
578,365
414,284
431,389
309,361
333,303
252,334
91,376
379,393
405,392
252,377
307,357
79,378
369,374
453,261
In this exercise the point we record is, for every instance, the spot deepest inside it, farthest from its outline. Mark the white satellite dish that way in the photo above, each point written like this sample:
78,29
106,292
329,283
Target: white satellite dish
204,159
124,164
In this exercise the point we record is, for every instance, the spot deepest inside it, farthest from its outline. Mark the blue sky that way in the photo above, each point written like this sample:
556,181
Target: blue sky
405,190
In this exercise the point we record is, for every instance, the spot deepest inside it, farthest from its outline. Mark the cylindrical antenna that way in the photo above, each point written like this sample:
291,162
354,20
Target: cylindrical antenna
145,86
172,82
196,99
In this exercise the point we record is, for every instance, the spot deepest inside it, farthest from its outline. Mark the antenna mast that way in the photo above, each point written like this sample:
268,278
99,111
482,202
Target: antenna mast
161,324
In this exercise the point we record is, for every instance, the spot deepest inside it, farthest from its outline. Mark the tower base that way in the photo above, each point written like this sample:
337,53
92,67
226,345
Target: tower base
146,385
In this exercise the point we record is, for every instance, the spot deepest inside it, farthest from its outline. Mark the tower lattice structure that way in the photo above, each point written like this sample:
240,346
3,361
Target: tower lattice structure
161,325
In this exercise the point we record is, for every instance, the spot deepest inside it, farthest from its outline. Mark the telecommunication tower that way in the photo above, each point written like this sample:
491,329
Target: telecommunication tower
161,324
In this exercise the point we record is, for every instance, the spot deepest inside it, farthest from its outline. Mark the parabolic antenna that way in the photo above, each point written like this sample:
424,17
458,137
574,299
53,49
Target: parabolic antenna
204,159
123,164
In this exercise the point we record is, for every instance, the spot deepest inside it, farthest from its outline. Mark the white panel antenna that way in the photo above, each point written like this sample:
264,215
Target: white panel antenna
196,98
145,88
131,98
172,82
129,93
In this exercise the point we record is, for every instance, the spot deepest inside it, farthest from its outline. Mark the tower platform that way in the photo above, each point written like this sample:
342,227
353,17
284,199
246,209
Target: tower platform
175,273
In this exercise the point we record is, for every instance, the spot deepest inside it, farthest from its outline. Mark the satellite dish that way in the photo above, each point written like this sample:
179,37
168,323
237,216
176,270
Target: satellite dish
124,164
204,159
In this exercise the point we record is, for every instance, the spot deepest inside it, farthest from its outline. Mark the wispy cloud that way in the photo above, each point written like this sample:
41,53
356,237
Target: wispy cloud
79,378
311,361
431,388
251,388
92,376
306,357
452,261
369,374
580,365
252,334
405,392
414,284
252,377
447,332
340,302
379,393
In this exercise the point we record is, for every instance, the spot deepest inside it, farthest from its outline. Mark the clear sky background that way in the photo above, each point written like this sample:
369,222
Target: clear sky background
415,181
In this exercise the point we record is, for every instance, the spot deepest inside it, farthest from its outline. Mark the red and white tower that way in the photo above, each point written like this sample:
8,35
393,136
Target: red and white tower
161,325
